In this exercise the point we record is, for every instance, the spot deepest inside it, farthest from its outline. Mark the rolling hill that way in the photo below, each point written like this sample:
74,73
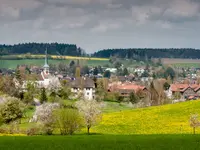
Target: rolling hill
167,119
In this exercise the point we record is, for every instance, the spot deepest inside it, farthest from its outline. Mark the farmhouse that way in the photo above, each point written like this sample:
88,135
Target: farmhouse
84,86
125,89
188,91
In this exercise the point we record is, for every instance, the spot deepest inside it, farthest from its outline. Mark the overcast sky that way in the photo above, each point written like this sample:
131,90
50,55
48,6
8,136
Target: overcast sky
99,24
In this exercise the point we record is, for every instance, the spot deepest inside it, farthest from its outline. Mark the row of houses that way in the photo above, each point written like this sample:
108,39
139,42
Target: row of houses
186,91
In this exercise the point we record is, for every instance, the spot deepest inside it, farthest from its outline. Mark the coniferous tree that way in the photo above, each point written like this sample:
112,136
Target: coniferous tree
107,74
43,96
95,71
18,75
125,72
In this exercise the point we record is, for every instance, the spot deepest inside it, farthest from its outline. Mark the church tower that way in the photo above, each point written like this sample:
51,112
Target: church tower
46,66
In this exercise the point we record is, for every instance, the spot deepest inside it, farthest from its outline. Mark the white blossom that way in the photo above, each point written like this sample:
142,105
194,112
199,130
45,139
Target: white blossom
91,111
44,112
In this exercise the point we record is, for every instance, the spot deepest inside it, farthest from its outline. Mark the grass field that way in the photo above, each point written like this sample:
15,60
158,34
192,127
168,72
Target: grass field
40,62
182,62
102,142
167,119
154,128
121,119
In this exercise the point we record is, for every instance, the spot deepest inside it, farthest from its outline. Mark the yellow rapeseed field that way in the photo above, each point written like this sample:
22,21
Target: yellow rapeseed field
67,57
167,119
81,58
13,135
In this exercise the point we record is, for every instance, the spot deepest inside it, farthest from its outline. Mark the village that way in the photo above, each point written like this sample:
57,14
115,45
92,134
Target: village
148,85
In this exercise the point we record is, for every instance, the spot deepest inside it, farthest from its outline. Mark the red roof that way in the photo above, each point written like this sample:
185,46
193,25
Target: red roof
130,87
183,87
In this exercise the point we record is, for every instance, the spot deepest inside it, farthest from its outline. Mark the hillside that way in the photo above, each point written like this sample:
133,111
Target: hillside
168,119
144,53
39,48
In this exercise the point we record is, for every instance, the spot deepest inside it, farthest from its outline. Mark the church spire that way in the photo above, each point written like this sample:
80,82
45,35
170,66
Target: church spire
46,57
46,66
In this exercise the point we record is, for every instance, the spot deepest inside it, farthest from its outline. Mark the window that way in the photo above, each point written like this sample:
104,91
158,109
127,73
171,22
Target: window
88,93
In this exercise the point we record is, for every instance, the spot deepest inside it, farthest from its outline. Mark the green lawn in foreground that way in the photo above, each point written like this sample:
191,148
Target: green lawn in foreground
102,142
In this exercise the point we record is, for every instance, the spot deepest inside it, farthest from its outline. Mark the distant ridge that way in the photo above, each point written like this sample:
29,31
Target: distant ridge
39,48
147,53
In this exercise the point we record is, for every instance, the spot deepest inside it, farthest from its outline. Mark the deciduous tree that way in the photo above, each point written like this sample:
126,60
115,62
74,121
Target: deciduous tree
91,111
12,110
194,122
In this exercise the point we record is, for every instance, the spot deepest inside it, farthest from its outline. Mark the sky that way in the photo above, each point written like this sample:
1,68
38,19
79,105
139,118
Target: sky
102,24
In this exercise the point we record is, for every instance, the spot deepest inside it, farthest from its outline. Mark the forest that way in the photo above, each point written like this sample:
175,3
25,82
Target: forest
39,48
148,53
73,50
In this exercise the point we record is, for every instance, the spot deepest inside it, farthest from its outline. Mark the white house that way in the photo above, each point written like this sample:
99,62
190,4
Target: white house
139,71
112,70
84,86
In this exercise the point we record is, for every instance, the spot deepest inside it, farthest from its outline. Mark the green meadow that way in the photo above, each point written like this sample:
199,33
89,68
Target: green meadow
102,142
40,62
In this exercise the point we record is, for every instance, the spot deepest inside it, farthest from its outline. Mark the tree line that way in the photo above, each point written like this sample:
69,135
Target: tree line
39,48
148,53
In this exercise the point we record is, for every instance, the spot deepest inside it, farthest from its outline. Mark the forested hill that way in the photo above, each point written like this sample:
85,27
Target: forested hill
39,48
149,53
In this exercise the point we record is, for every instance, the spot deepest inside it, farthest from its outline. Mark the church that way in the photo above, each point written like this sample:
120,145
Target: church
45,79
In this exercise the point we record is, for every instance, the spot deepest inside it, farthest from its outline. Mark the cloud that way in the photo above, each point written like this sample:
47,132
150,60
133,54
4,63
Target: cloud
105,26
83,18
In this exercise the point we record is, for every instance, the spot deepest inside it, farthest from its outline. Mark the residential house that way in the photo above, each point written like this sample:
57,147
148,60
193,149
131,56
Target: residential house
187,91
125,89
139,71
112,70
83,86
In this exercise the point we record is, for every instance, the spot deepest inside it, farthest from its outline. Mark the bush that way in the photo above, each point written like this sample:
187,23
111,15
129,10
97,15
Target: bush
44,114
68,121
48,127
30,107
14,127
12,110
33,131
112,97
4,130
133,98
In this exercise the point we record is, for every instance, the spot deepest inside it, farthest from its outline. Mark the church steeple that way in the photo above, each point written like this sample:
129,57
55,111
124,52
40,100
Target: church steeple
46,57
46,66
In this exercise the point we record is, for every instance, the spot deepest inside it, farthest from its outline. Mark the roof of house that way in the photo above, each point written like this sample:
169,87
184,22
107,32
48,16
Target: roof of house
82,83
131,87
126,87
184,87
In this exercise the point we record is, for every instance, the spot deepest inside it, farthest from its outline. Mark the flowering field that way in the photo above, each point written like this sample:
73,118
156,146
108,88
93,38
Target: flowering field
168,119
59,57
